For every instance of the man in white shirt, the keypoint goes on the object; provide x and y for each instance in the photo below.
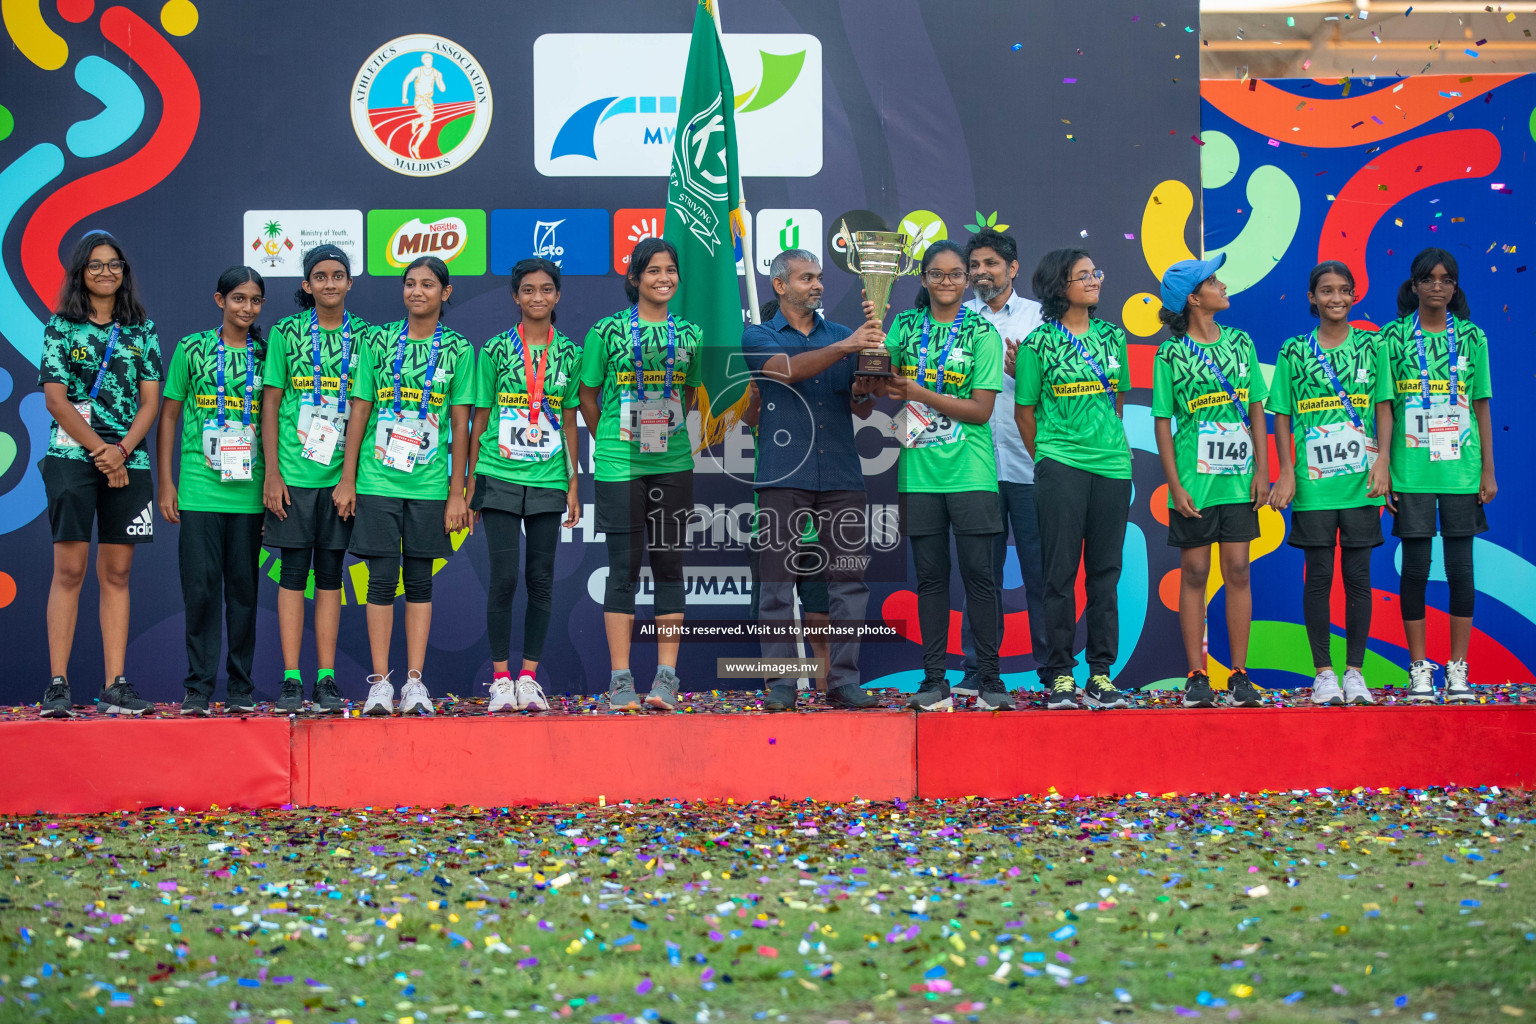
(993, 260)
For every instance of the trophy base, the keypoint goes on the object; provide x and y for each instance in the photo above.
(873, 364)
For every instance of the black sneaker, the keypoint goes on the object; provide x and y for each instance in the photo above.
(327, 699)
(291, 700)
(992, 695)
(195, 705)
(934, 696)
(1063, 695)
(780, 697)
(855, 698)
(56, 700)
(1241, 693)
(968, 686)
(1102, 693)
(1198, 692)
(122, 699)
(239, 702)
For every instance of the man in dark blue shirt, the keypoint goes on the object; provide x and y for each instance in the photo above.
(808, 471)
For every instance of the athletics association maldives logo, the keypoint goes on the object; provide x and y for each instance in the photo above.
(421, 105)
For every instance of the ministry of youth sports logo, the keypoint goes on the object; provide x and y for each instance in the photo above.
(421, 105)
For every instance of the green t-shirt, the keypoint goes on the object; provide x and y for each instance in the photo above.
(501, 385)
(453, 383)
(608, 362)
(1398, 382)
(192, 380)
(1075, 423)
(975, 363)
(1301, 390)
(291, 366)
(72, 354)
(1187, 392)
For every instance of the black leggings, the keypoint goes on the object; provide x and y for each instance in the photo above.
(930, 553)
(503, 531)
(294, 574)
(624, 552)
(1356, 569)
(384, 573)
(1458, 573)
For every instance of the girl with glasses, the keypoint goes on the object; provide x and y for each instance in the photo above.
(100, 373)
(1432, 390)
(948, 368)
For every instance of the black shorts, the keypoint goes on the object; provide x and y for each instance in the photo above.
(1461, 515)
(964, 512)
(624, 506)
(78, 493)
(1358, 527)
(385, 527)
(518, 499)
(312, 523)
(1233, 523)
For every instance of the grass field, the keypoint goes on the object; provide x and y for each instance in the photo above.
(1275, 907)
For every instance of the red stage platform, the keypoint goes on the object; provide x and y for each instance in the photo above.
(105, 765)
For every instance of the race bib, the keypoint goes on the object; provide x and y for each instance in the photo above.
(1338, 449)
(321, 430)
(920, 426)
(520, 441)
(1225, 449)
(61, 436)
(650, 422)
(1438, 428)
(406, 443)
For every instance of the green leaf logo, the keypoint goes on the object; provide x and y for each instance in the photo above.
(987, 223)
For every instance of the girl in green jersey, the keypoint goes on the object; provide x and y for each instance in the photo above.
(1072, 375)
(1432, 391)
(404, 472)
(1206, 379)
(1325, 438)
(948, 367)
(214, 391)
(522, 464)
(312, 362)
(644, 460)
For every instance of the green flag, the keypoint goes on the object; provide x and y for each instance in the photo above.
(704, 220)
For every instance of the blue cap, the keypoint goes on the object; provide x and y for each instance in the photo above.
(1184, 277)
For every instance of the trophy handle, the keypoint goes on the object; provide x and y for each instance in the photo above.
(908, 264)
(853, 252)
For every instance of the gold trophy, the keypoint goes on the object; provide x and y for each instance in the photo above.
(879, 258)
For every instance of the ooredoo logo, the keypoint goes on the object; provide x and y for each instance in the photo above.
(396, 237)
(421, 105)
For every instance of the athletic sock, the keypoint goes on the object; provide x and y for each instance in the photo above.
(503, 675)
(292, 675)
(324, 674)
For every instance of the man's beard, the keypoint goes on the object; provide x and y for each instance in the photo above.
(987, 292)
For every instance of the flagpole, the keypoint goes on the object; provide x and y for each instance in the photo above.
(748, 260)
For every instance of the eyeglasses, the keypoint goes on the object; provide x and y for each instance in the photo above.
(97, 266)
(1086, 276)
(939, 276)
(1438, 282)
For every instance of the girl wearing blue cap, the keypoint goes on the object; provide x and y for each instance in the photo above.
(1206, 380)
(1441, 456)
(1324, 380)
(312, 363)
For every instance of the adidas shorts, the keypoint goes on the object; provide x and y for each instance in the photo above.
(78, 493)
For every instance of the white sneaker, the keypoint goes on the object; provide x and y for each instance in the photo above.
(503, 695)
(1457, 689)
(530, 695)
(1421, 682)
(414, 696)
(1355, 690)
(1325, 689)
(381, 696)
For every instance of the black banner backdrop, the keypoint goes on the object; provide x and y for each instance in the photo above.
(1057, 120)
